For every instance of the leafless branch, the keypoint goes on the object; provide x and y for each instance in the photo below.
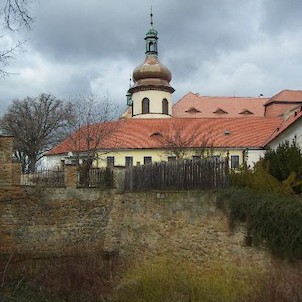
(16, 15)
(178, 141)
(90, 126)
(7, 55)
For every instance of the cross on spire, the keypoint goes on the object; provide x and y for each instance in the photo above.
(151, 17)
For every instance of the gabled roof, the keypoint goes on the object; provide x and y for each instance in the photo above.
(208, 105)
(249, 132)
(284, 125)
(286, 96)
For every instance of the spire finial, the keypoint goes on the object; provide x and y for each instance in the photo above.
(130, 81)
(151, 17)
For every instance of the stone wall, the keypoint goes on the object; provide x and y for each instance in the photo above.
(9, 172)
(135, 225)
(45, 222)
(186, 225)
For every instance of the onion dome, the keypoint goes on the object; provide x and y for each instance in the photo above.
(151, 74)
(152, 69)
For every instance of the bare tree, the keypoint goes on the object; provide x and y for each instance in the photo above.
(14, 15)
(205, 147)
(36, 123)
(179, 142)
(89, 127)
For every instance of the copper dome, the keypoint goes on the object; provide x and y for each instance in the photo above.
(152, 71)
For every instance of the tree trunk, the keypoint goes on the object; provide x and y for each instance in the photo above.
(32, 163)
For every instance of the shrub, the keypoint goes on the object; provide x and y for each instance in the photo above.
(272, 220)
(261, 180)
(283, 161)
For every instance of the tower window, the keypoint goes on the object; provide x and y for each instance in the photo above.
(145, 105)
(165, 106)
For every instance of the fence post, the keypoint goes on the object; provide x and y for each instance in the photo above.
(120, 173)
(71, 176)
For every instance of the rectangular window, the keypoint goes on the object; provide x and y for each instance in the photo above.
(171, 158)
(110, 161)
(129, 161)
(147, 160)
(196, 158)
(234, 161)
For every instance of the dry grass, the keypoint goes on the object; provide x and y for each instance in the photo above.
(168, 280)
(84, 277)
(87, 277)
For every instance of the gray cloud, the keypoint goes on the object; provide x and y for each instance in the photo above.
(214, 47)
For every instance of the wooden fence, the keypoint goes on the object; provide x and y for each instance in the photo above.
(179, 175)
(47, 178)
(96, 178)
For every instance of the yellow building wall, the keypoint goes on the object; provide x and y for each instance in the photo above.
(157, 155)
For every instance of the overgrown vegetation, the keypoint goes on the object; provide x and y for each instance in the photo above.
(284, 162)
(280, 171)
(169, 280)
(271, 220)
(81, 277)
(258, 178)
(225, 280)
(85, 278)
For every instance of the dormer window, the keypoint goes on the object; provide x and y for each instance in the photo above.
(156, 134)
(246, 112)
(220, 111)
(193, 110)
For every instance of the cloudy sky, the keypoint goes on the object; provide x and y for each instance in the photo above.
(213, 47)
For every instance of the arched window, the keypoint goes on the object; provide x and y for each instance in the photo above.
(165, 106)
(145, 105)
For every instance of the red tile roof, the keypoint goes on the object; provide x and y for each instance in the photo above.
(290, 96)
(284, 125)
(208, 105)
(248, 132)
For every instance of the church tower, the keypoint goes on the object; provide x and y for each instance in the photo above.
(151, 94)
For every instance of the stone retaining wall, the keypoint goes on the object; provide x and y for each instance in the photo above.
(135, 225)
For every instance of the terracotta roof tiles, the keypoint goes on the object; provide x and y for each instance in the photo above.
(249, 132)
(284, 125)
(291, 96)
(208, 105)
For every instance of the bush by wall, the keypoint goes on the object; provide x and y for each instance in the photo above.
(286, 160)
(260, 179)
(271, 220)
